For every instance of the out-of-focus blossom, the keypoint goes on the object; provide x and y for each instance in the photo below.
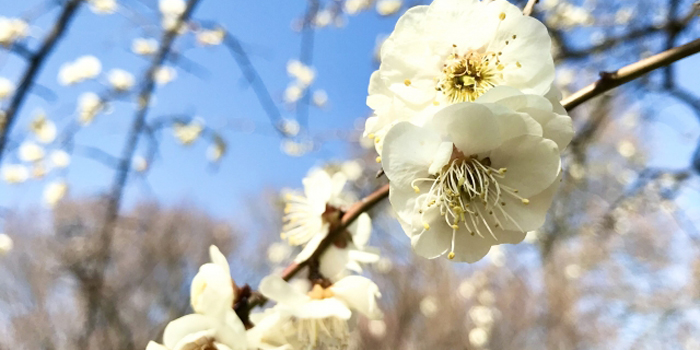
(352, 169)
(60, 159)
(30, 152)
(388, 7)
(482, 316)
(624, 15)
(428, 306)
(572, 271)
(120, 79)
(103, 7)
(323, 18)
(83, 68)
(290, 127)
(89, 105)
(15, 173)
(564, 15)
(353, 7)
(293, 93)
(294, 148)
(384, 265)
(466, 289)
(626, 148)
(211, 37)
(277, 252)
(172, 7)
(377, 328)
(320, 98)
(139, 164)
(304, 74)
(7, 87)
(216, 150)
(44, 129)
(478, 337)
(164, 75)
(188, 133)
(39, 169)
(486, 297)
(11, 30)
(54, 192)
(318, 318)
(144, 46)
(6, 244)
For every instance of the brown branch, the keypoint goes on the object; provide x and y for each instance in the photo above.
(529, 7)
(8, 117)
(610, 80)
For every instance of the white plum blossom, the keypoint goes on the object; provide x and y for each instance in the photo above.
(454, 51)
(216, 150)
(44, 129)
(139, 164)
(89, 104)
(304, 74)
(83, 68)
(188, 133)
(31, 152)
(103, 7)
(54, 192)
(120, 79)
(7, 87)
(143, 46)
(476, 174)
(353, 7)
(60, 159)
(171, 10)
(320, 98)
(164, 75)
(6, 244)
(211, 37)
(14, 173)
(308, 216)
(319, 318)
(388, 7)
(214, 325)
(12, 30)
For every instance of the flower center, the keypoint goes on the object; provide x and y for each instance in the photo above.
(468, 194)
(203, 343)
(466, 77)
(329, 333)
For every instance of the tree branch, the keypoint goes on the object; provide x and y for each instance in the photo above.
(8, 117)
(610, 80)
(529, 7)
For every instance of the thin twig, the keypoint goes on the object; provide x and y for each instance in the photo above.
(610, 80)
(529, 7)
(8, 117)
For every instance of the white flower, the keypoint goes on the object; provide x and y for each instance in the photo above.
(454, 51)
(15, 173)
(293, 93)
(388, 7)
(216, 150)
(44, 129)
(139, 163)
(54, 192)
(304, 74)
(164, 75)
(83, 68)
(6, 244)
(11, 30)
(277, 252)
(478, 337)
(60, 159)
(211, 37)
(476, 174)
(323, 18)
(89, 104)
(172, 7)
(355, 6)
(30, 152)
(290, 127)
(318, 319)
(352, 169)
(188, 133)
(7, 87)
(320, 98)
(103, 7)
(295, 149)
(428, 306)
(308, 215)
(143, 46)
(120, 79)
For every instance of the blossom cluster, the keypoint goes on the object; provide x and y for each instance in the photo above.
(468, 125)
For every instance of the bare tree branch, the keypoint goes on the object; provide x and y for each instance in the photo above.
(529, 7)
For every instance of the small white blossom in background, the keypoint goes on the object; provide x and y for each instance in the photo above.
(428, 306)
(278, 252)
(294, 148)
(377, 328)
(384, 265)
(290, 127)
(144, 46)
(6, 244)
(139, 164)
(30, 152)
(388, 7)
(293, 93)
(43, 128)
(103, 7)
(120, 79)
(320, 98)
(564, 15)
(83, 68)
(211, 37)
(188, 133)
(319, 317)
(455, 51)
(39, 169)
(54, 192)
(478, 337)
(323, 18)
(624, 15)
(353, 7)
(164, 75)
(482, 316)
(15, 173)
(476, 174)
(7, 87)
(12, 30)
(626, 148)
(89, 105)
(352, 169)
(171, 10)
(214, 325)
(466, 289)
(486, 297)
(216, 150)
(60, 159)
(304, 74)
(573, 271)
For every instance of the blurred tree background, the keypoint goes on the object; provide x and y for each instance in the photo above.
(100, 254)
